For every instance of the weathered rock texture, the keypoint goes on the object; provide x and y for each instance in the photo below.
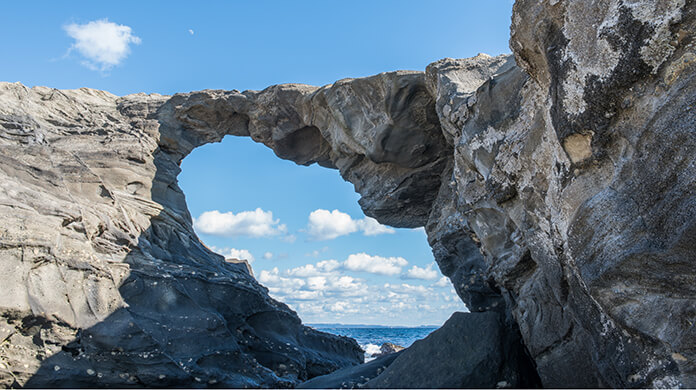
(556, 186)
(468, 351)
(351, 377)
(104, 281)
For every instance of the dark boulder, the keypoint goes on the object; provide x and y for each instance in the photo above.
(467, 351)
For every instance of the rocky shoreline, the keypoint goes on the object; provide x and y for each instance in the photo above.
(556, 186)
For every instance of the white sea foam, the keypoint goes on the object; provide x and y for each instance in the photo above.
(370, 351)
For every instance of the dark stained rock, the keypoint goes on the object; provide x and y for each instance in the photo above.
(243, 263)
(351, 377)
(388, 348)
(468, 351)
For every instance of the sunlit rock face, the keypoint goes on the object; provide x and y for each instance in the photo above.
(105, 282)
(556, 186)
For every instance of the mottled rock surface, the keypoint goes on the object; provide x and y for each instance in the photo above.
(387, 348)
(104, 281)
(556, 186)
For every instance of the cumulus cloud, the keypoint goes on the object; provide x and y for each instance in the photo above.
(257, 223)
(427, 273)
(103, 44)
(442, 282)
(311, 281)
(241, 254)
(268, 255)
(327, 225)
(370, 227)
(190, 31)
(375, 264)
(321, 292)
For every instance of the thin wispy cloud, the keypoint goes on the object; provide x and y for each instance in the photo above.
(375, 264)
(256, 223)
(327, 225)
(101, 43)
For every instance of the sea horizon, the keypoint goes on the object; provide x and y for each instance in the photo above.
(341, 325)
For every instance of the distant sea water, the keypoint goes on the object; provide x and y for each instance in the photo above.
(371, 338)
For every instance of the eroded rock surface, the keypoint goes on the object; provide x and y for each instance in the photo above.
(104, 281)
(556, 186)
(468, 351)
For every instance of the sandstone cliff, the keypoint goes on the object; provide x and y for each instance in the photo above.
(556, 187)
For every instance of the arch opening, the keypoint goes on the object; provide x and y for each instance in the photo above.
(308, 241)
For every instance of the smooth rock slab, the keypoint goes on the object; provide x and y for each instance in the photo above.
(351, 377)
(467, 351)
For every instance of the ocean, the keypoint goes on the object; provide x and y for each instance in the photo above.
(371, 338)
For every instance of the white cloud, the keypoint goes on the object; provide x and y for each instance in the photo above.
(241, 254)
(443, 282)
(327, 225)
(103, 44)
(319, 292)
(375, 264)
(370, 227)
(409, 288)
(190, 31)
(317, 253)
(268, 255)
(328, 265)
(308, 270)
(427, 273)
(257, 223)
(290, 238)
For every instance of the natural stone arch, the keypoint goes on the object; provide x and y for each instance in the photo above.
(86, 173)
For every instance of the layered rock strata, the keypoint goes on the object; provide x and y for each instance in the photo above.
(556, 187)
(105, 282)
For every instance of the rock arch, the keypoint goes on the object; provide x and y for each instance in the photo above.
(571, 174)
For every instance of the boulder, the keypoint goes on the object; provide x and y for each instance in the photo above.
(388, 348)
(466, 352)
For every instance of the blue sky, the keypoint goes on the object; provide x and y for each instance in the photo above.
(330, 266)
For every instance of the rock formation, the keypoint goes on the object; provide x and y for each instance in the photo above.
(387, 348)
(556, 187)
(466, 352)
(351, 377)
(105, 283)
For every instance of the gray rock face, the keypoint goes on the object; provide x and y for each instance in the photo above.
(351, 377)
(466, 352)
(556, 187)
(387, 348)
(105, 283)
